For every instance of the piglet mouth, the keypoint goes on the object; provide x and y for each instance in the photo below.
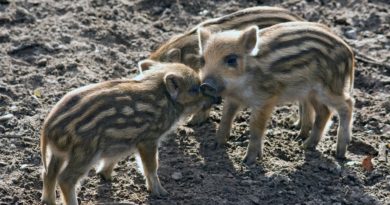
(212, 88)
(211, 100)
(208, 90)
(211, 94)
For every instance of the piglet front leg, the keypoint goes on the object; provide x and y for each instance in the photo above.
(148, 152)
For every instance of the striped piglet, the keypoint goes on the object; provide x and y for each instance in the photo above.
(108, 121)
(295, 61)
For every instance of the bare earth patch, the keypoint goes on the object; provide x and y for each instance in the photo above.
(48, 48)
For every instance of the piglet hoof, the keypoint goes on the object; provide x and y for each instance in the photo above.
(307, 145)
(340, 155)
(48, 198)
(249, 160)
(105, 176)
(301, 136)
(48, 202)
(160, 192)
(296, 124)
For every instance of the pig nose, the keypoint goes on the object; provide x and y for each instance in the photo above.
(208, 89)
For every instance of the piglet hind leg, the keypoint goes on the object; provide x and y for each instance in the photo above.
(258, 125)
(306, 119)
(106, 168)
(80, 161)
(148, 152)
(50, 179)
(344, 131)
(322, 117)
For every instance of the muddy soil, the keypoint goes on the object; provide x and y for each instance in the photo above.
(48, 48)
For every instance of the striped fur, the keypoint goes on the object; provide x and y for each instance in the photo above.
(184, 47)
(109, 120)
(286, 62)
(187, 43)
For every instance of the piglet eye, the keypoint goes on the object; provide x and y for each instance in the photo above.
(231, 60)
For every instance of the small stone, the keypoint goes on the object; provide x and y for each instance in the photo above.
(42, 62)
(159, 25)
(254, 199)
(177, 175)
(246, 182)
(13, 108)
(23, 166)
(352, 163)
(6, 117)
(351, 34)
(204, 12)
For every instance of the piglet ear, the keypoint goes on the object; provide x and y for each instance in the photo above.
(194, 61)
(174, 55)
(203, 36)
(173, 83)
(146, 65)
(250, 40)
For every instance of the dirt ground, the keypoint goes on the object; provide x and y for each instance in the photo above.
(48, 48)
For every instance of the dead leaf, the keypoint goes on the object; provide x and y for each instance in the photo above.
(367, 164)
(38, 93)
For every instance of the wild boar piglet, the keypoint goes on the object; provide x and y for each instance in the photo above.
(295, 61)
(110, 120)
(183, 48)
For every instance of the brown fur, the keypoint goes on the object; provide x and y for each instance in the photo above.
(107, 121)
(286, 62)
